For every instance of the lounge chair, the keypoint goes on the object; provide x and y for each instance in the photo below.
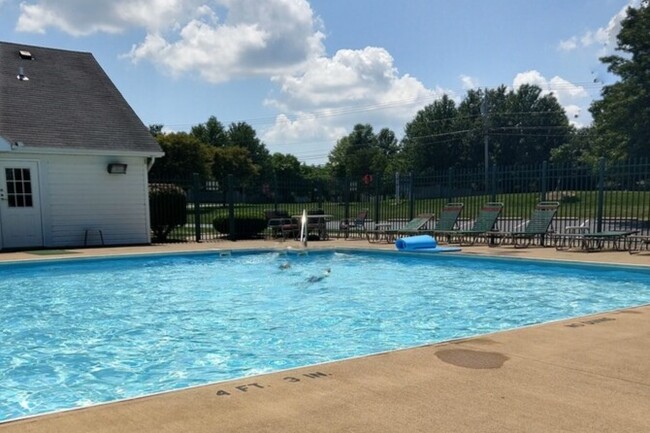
(448, 220)
(413, 227)
(580, 237)
(483, 224)
(639, 244)
(538, 225)
(596, 241)
(357, 225)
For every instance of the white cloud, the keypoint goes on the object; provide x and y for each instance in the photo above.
(308, 136)
(573, 98)
(216, 40)
(562, 89)
(605, 37)
(468, 82)
(157, 15)
(329, 96)
(319, 98)
(83, 17)
(269, 38)
(76, 17)
(569, 44)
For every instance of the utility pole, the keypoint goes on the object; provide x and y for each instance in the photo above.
(485, 113)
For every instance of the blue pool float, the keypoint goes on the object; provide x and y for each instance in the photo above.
(421, 243)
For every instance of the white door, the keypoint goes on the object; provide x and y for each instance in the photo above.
(20, 210)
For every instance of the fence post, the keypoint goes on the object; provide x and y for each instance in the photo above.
(196, 186)
(275, 192)
(450, 185)
(231, 208)
(320, 195)
(493, 184)
(377, 198)
(411, 198)
(346, 199)
(601, 195)
(542, 191)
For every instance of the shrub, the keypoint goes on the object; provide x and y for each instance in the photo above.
(245, 227)
(167, 209)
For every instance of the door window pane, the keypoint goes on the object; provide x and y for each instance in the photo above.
(19, 187)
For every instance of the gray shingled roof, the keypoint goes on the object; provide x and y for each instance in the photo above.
(68, 103)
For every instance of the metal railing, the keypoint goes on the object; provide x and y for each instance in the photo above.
(605, 197)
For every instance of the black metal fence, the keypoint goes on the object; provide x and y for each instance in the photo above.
(605, 197)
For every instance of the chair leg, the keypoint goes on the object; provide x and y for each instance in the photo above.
(522, 242)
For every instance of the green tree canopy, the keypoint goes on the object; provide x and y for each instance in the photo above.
(156, 129)
(522, 127)
(431, 141)
(234, 160)
(577, 150)
(243, 135)
(211, 132)
(184, 155)
(526, 126)
(362, 152)
(622, 117)
(285, 166)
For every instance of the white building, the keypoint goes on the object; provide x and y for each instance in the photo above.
(74, 156)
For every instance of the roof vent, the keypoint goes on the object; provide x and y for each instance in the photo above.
(26, 55)
(21, 75)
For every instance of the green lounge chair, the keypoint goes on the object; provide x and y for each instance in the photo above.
(448, 218)
(596, 241)
(413, 227)
(483, 224)
(538, 225)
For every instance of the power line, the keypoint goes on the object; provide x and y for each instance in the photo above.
(358, 109)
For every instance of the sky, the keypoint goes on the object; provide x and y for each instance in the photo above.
(302, 73)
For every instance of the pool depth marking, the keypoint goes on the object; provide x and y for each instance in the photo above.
(253, 386)
(590, 322)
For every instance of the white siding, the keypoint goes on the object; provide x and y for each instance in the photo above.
(77, 193)
(82, 194)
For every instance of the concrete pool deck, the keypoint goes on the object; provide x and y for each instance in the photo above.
(590, 374)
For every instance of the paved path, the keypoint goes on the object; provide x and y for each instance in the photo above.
(590, 374)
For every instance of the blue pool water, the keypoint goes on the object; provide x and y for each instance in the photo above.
(79, 332)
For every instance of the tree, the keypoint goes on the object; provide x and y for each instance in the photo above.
(389, 159)
(430, 141)
(211, 132)
(622, 117)
(156, 129)
(235, 161)
(471, 120)
(243, 135)
(287, 175)
(577, 150)
(522, 127)
(362, 152)
(528, 127)
(252, 164)
(184, 155)
(286, 168)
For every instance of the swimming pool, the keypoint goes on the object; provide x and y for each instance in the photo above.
(80, 332)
